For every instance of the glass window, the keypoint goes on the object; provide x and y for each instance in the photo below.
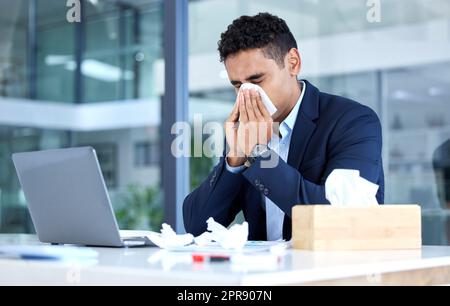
(55, 57)
(13, 49)
(146, 154)
(120, 51)
(418, 134)
(120, 41)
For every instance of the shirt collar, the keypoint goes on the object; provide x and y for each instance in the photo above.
(289, 123)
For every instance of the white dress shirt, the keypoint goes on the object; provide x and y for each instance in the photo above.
(274, 215)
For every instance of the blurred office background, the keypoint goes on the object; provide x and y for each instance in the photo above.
(399, 66)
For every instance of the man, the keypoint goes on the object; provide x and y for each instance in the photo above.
(317, 134)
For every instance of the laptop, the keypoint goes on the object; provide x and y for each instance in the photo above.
(68, 199)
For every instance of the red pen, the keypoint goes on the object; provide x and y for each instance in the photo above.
(202, 258)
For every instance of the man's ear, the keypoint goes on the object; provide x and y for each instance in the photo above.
(294, 62)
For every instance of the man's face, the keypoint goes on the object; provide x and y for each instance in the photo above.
(252, 66)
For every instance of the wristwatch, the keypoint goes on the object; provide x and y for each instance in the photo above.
(257, 152)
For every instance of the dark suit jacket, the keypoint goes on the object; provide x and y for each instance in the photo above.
(331, 133)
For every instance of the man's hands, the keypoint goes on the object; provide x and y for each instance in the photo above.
(249, 124)
(256, 124)
(235, 156)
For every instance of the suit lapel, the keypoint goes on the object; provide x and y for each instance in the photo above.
(300, 139)
(305, 125)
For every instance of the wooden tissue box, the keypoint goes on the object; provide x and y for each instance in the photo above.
(328, 228)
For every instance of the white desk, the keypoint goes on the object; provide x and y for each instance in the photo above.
(155, 267)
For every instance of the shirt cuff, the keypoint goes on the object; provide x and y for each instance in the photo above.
(235, 170)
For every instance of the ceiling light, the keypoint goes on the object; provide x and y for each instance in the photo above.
(401, 95)
(435, 92)
(104, 72)
(91, 68)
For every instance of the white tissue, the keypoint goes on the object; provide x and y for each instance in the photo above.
(169, 239)
(346, 188)
(204, 240)
(234, 238)
(264, 97)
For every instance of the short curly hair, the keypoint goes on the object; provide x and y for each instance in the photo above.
(263, 31)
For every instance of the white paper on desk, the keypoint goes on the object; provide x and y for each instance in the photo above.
(47, 252)
(249, 248)
(346, 188)
(264, 97)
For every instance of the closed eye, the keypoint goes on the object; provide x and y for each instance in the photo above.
(252, 80)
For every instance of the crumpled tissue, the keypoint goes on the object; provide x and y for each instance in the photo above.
(264, 97)
(346, 188)
(169, 239)
(234, 238)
